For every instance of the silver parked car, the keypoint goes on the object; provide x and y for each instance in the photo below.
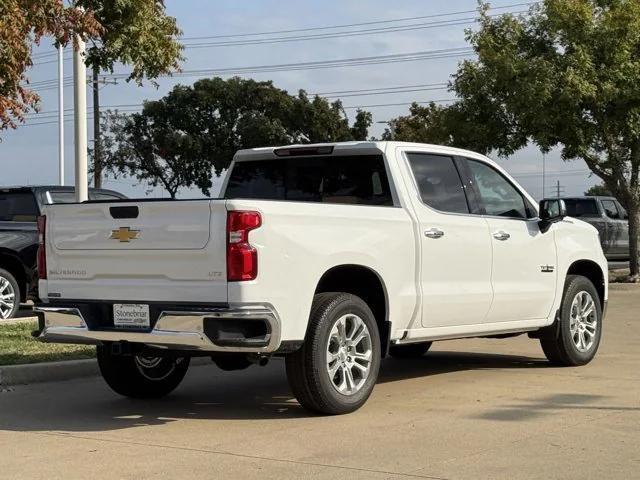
(609, 217)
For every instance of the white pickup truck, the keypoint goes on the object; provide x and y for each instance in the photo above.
(331, 256)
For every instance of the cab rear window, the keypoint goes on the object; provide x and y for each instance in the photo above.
(18, 207)
(355, 180)
(581, 207)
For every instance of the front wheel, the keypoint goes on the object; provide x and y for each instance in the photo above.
(337, 367)
(574, 339)
(141, 376)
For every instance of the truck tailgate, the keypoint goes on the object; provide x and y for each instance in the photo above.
(173, 251)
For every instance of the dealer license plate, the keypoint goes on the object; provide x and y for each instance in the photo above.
(131, 315)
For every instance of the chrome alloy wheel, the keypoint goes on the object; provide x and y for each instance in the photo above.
(349, 353)
(583, 322)
(7, 298)
(156, 368)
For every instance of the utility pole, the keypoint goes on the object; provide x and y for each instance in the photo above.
(559, 189)
(97, 134)
(60, 114)
(97, 153)
(80, 120)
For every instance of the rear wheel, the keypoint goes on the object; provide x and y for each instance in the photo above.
(412, 350)
(141, 376)
(574, 339)
(9, 295)
(337, 367)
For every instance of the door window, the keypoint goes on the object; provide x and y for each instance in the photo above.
(610, 209)
(439, 182)
(498, 196)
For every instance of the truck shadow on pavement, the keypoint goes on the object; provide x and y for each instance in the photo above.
(556, 403)
(260, 393)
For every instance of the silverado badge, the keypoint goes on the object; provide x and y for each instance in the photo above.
(124, 234)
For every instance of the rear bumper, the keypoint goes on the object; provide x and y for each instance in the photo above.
(243, 328)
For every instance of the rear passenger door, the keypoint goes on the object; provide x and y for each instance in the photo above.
(524, 267)
(455, 245)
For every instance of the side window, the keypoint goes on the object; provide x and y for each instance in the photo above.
(439, 182)
(610, 209)
(497, 195)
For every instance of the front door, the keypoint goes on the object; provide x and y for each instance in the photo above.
(524, 272)
(455, 245)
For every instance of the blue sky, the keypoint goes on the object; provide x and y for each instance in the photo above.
(29, 154)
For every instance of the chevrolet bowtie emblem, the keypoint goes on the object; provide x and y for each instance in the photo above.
(124, 234)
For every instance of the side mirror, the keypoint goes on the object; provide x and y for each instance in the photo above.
(551, 211)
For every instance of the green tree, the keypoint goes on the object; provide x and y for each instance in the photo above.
(194, 131)
(137, 33)
(598, 191)
(566, 74)
(23, 22)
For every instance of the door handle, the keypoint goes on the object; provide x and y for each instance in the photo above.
(501, 235)
(434, 233)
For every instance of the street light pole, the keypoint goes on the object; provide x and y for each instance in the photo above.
(544, 174)
(61, 114)
(80, 120)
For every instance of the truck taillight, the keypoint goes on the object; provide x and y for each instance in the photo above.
(242, 258)
(42, 252)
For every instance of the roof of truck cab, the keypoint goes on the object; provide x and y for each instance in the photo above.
(360, 146)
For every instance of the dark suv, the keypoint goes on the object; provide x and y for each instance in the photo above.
(609, 217)
(19, 210)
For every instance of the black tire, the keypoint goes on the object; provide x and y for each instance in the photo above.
(412, 350)
(557, 340)
(8, 277)
(307, 367)
(124, 373)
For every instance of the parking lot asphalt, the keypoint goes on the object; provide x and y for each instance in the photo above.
(470, 409)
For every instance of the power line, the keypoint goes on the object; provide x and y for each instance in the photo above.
(332, 35)
(345, 62)
(348, 107)
(557, 173)
(327, 35)
(380, 105)
(361, 24)
(339, 92)
(423, 55)
(333, 94)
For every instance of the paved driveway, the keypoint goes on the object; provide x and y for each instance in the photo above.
(468, 410)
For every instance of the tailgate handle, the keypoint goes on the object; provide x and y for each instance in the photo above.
(124, 212)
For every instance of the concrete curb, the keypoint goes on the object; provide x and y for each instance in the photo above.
(47, 372)
(60, 371)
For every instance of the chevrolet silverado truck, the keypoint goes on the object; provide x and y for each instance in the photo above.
(331, 256)
(19, 209)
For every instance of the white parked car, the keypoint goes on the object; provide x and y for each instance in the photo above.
(331, 256)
